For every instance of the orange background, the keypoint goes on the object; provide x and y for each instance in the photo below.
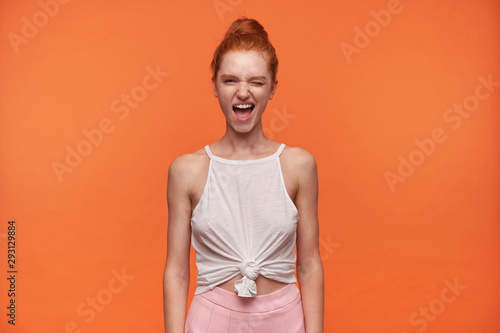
(388, 250)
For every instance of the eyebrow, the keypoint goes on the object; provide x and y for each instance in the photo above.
(225, 76)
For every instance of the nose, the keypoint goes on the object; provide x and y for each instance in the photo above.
(242, 91)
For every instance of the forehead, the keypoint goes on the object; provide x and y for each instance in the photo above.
(244, 64)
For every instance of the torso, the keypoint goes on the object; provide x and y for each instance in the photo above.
(264, 285)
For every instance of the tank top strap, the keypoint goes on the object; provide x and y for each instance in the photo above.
(280, 149)
(209, 153)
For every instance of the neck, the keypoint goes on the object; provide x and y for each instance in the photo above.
(247, 143)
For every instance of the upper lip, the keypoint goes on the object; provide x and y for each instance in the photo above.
(244, 103)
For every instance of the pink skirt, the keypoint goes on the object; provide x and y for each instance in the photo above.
(221, 311)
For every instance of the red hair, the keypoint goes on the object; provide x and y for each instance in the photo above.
(246, 35)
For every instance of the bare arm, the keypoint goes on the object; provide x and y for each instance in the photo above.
(176, 274)
(309, 266)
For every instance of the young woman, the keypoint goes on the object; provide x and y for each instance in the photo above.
(244, 202)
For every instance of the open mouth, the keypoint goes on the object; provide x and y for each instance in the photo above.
(243, 111)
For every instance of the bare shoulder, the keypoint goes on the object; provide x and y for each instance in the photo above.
(299, 160)
(188, 161)
(185, 168)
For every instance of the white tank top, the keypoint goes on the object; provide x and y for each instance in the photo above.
(244, 223)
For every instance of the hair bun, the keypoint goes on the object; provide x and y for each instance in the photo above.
(246, 34)
(246, 26)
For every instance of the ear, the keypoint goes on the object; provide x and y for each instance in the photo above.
(273, 89)
(214, 87)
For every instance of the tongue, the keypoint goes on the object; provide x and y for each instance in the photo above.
(243, 113)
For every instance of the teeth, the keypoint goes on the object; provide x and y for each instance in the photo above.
(243, 106)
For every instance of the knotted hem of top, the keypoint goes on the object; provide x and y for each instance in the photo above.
(246, 286)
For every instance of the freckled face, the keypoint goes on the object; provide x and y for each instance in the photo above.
(243, 86)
